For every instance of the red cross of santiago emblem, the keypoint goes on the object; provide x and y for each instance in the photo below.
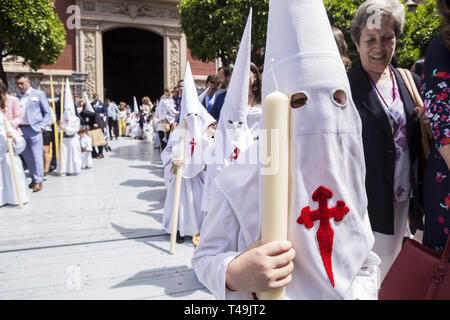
(193, 144)
(234, 155)
(325, 233)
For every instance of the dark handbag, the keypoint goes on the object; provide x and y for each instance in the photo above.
(418, 273)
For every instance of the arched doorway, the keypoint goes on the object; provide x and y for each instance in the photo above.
(133, 65)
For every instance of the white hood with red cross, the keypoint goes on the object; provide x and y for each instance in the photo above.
(328, 223)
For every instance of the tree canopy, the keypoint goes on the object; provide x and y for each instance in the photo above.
(214, 28)
(32, 30)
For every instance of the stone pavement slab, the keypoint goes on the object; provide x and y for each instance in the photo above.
(97, 235)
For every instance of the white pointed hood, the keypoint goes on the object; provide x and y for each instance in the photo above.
(87, 103)
(326, 151)
(192, 112)
(69, 106)
(233, 137)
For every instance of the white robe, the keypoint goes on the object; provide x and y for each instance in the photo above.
(128, 127)
(9, 193)
(253, 122)
(70, 149)
(86, 156)
(237, 209)
(149, 131)
(135, 130)
(3, 149)
(190, 216)
(167, 110)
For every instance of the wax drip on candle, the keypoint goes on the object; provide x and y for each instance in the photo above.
(273, 74)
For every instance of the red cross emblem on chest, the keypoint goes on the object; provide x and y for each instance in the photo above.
(325, 233)
(193, 144)
(234, 155)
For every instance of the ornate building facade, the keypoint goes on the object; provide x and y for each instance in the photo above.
(85, 61)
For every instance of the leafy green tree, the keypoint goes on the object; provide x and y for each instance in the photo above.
(341, 13)
(420, 28)
(32, 30)
(213, 28)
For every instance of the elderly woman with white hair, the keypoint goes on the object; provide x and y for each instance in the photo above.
(391, 130)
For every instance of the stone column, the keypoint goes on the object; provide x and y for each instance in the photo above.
(90, 57)
(174, 58)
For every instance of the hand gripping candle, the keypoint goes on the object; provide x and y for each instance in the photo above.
(275, 175)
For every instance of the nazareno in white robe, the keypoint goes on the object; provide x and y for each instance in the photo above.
(135, 130)
(253, 121)
(9, 193)
(325, 153)
(190, 215)
(149, 132)
(128, 123)
(233, 224)
(71, 149)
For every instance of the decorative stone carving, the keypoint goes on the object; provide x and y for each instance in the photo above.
(133, 9)
(88, 6)
(174, 15)
(173, 32)
(88, 24)
(79, 84)
(152, 12)
(104, 15)
(89, 60)
(174, 64)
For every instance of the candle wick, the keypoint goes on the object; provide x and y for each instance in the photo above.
(273, 74)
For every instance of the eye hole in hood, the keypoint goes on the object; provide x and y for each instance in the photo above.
(299, 100)
(340, 98)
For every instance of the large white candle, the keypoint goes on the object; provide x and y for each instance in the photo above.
(275, 176)
(176, 200)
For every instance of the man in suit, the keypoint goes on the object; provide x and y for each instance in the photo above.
(99, 107)
(179, 96)
(101, 110)
(113, 117)
(35, 116)
(224, 77)
(177, 100)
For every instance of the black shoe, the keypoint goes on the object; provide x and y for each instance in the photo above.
(180, 239)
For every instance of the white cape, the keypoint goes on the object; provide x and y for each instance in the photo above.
(190, 216)
(238, 209)
(71, 149)
(9, 193)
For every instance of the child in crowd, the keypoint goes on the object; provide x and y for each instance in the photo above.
(149, 130)
(86, 148)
